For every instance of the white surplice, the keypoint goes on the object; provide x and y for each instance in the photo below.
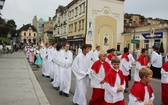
(164, 76)
(90, 53)
(97, 78)
(81, 67)
(125, 66)
(166, 57)
(45, 62)
(51, 67)
(156, 60)
(134, 101)
(66, 58)
(56, 70)
(111, 94)
(95, 55)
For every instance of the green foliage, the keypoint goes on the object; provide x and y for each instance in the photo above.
(5, 40)
(6, 27)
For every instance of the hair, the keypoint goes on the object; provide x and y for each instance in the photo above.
(54, 43)
(58, 47)
(125, 50)
(102, 54)
(145, 72)
(84, 46)
(153, 47)
(143, 50)
(97, 47)
(46, 44)
(115, 60)
(66, 43)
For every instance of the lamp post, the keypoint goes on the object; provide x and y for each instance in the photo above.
(1, 5)
(134, 41)
(15, 37)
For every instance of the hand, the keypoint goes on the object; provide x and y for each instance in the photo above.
(120, 89)
(46, 56)
(147, 66)
(149, 103)
(101, 82)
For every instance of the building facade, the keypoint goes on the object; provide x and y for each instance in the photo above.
(28, 34)
(100, 24)
(105, 22)
(37, 23)
(148, 36)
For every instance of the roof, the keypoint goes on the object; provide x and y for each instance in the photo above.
(26, 27)
(71, 3)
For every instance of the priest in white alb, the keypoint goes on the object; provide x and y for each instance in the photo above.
(45, 61)
(65, 70)
(81, 68)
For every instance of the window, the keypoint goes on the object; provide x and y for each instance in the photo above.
(79, 25)
(146, 44)
(83, 7)
(75, 27)
(157, 43)
(76, 10)
(118, 47)
(58, 30)
(24, 33)
(80, 9)
(34, 35)
(29, 34)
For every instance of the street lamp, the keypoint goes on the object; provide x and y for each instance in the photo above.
(134, 41)
(15, 37)
(2, 3)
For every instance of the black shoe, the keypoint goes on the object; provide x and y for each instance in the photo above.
(48, 76)
(51, 80)
(125, 91)
(43, 75)
(66, 95)
(57, 88)
(76, 104)
(60, 93)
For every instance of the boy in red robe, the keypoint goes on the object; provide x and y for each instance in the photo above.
(114, 85)
(141, 62)
(164, 81)
(110, 55)
(142, 93)
(99, 70)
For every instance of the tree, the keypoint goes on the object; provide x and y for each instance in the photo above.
(7, 27)
(161, 49)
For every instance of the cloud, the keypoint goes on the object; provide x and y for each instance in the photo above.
(23, 11)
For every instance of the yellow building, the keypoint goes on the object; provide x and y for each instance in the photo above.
(105, 23)
(28, 34)
(148, 36)
(76, 23)
(100, 24)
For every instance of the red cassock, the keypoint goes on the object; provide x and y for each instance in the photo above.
(97, 93)
(125, 55)
(111, 79)
(110, 56)
(143, 60)
(138, 91)
(165, 86)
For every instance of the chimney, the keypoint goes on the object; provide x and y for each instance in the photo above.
(49, 18)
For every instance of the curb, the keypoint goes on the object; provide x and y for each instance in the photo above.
(37, 88)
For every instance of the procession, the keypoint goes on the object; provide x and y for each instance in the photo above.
(106, 73)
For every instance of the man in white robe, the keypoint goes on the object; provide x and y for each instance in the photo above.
(56, 60)
(96, 53)
(52, 50)
(81, 68)
(65, 70)
(45, 60)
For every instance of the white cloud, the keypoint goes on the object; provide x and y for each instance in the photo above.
(23, 11)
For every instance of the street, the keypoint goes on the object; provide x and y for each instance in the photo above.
(55, 99)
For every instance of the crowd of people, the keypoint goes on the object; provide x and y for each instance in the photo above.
(107, 73)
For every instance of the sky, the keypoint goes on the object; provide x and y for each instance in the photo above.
(23, 11)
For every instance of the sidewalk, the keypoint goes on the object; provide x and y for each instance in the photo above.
(18, 85)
